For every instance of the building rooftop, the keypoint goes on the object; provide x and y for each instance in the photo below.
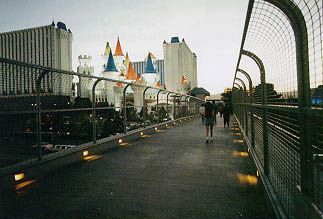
(174, 40)
(199, 90)
(61, 25)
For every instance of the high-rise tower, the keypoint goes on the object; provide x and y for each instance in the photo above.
(179, 61)
(49, 46)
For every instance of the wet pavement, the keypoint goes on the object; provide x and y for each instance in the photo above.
(170, 174)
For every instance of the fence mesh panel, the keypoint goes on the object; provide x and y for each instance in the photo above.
(270, 36)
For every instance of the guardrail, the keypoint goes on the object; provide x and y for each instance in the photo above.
(277, 99)
(39, 111)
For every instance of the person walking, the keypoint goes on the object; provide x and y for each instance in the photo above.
(202, 110)
(215, 111)
(221, 109)
(226, 115)
(209, 120)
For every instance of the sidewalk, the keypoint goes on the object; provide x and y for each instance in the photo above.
(170, 174)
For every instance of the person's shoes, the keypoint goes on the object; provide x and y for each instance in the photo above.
(207, 140)
(212, 138)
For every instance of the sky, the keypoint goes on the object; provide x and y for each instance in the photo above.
(211, 28)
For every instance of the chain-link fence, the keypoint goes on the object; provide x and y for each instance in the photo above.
(277, 99)
(45, 110)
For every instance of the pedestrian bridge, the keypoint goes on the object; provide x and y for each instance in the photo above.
(268, 164)
(169, 173)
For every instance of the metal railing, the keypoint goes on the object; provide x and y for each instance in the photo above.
(39, 113)
(277, 99)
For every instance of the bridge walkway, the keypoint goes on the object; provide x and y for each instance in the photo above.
(170, 174)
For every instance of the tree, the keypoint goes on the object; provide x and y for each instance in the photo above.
(272, 95)
(227, 96)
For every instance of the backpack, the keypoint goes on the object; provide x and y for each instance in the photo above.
(208, 110)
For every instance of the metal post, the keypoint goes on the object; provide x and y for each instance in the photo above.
(94, 111)
(79, 88)
(264, 106)
(181, 107)
(144, 107)
(298, 23)
(38, 115)
(239, 104)
(125, 110)
(157, 105)
(186, 107)
(174, 106)
(167, 105)
(244, 107)
(251, 107)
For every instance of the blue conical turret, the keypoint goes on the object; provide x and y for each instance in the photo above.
(149, 66)
(110, 65)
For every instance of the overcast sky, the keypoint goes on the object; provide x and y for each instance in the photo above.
(211, 28)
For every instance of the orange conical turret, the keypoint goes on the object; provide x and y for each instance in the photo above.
(183, 79)
(139, 78)
(158, 84)
(118, 51)
(119, 84)
(131, 73)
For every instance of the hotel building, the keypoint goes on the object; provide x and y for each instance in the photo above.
(49, 46)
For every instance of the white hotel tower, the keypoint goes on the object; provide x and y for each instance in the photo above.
(49, 46)
(180, 66)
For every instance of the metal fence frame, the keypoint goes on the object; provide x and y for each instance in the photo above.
(46, 70)
(244, 112)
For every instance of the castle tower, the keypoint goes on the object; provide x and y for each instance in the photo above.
(119, 58)
(111, 72)
(84, 84)
(126, 61)
(105, 55)
(138, 91)
(131, 75)
(150, 75)
(118, 94)
(107, 49)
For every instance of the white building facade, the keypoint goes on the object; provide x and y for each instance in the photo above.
(49, 46)
(84, 85)
(180, 66)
